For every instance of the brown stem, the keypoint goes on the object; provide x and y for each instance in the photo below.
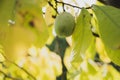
(73, 5)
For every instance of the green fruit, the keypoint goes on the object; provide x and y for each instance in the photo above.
(64, 24)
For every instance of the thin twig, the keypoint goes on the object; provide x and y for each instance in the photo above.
(73, 5)
(24, 70)
(63, 5)
(52, 6)
(20, 68)
(56, 5)
(7, 76)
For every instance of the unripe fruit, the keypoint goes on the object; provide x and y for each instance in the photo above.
(64, 24)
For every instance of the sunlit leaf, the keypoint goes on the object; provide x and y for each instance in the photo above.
(42, 3)
(39, 31)
(84, 76)
(1, 58)
(94, 25)
(6, 15)
(91, 51)
(1, 54)
(24, 36)
(6, 12)
(29, 29)
(109, 73)
(74, 75)
(108, 76)
(51, 35)
(48, 16)
(18, 40)
(109, 30)
(108, 25)
(101, 50)
(45, 65)
(92, 67)
(34, 21)
(115, 75)
(114, 55)
(67, 58)
(82, 37)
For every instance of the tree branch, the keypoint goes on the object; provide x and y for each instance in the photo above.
(63, 4)
(7, 76)
(20, 68)
(73, 5)
(24, 70)
(53, 6)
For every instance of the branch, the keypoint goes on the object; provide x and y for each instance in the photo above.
(53, 6)
(7, 76)
(56, 5)
(24, 70)
(63, 7)
(20, 68)
(63, 4)
(73, 5)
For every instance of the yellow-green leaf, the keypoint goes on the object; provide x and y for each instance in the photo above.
(6, 11)
(29, 29)
(29, 16)
(108, 25)
(81, 37)
(109, 30)
(114, 55)
(6, 14)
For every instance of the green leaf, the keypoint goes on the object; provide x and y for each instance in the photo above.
(91, 51)
(42, 2)
(6, 11)
(115, 74)
(6, 14)
(81, 37)
(30, 29)
(29, 16)
(84, 76)
(91, 67)
(114, 55)
(108, 76)
(108, 25)
(109, 30)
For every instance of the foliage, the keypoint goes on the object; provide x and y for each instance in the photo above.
(30, 49)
